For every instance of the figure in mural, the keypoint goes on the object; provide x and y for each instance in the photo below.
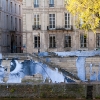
(29, 67)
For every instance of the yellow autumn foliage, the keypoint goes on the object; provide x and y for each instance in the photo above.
(88, 11)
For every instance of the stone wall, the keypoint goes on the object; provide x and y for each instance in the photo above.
(61, 90)
(43, 90)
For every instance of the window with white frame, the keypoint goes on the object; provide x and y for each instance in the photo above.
(36, 41)
(36, 3)
(83, 40)
(36, 22)
(51, 21)
(67, 41)
(51, 3)
(52, 41)
(98, 40)
(67, 21)
(80, 23)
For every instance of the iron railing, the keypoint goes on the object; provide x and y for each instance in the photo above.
(68, 27)
(51, 5)
(36, 27)
(36, 5)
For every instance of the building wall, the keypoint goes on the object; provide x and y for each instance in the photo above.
(43, 10)
(11, 25)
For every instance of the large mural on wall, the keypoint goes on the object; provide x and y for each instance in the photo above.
(18, 70)
(82, 71)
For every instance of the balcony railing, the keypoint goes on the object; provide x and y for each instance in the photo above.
(36, 5)
(69, 27)
(51, 5)
(36, 27)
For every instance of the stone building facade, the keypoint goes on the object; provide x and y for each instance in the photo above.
(10, 26)
(48, 26)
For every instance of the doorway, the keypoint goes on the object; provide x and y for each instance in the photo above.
(89, 92)
(12, 43)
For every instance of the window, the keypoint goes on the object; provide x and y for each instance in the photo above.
(15, 8)
(67, 21)
(11, 22)
(7, 23)
(36, 21)
(11, 6)
(20, 25)
(52, 21)
(36, 3)
(98, 40)
(68, 41)
(16, 40)
(83, 40)
(20, 41)
(52, 41)
(80, 23)
(15, 24)
(51, 4)
(7, 40)
(36, 41)
(19, 10)
(6, 5)
(15, 47)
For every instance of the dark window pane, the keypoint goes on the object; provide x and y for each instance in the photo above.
(49, 15)
(52, 20)
(67, 41)
(50, 26)
(83, 40)
(53, 15)
(53, 26)
(37, 41)
(98, 40)
(35, 38)
(52, 43)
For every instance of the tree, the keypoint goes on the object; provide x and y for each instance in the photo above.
(86, 11)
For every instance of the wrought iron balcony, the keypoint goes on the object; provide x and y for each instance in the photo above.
(51, 5)
(49, 28)
(36, 27)
(36, 5)
(69, 27)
